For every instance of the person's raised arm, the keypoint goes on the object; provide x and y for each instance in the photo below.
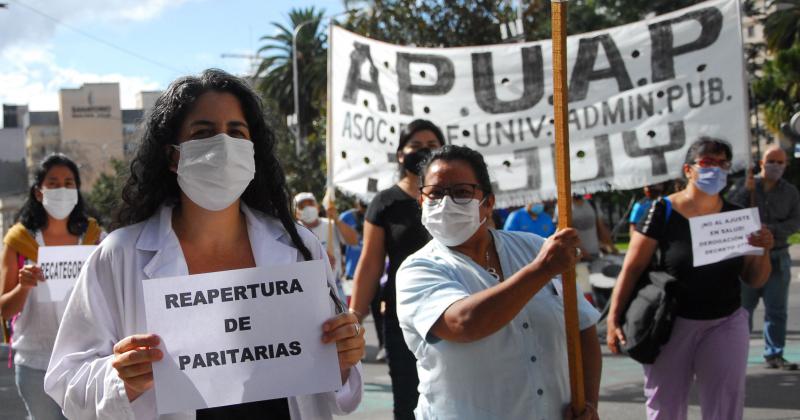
(369, 270)
(484, 313)
(347, 233)
(17, 283)
(637, 259)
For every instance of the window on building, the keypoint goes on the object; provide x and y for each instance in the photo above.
(751, 31)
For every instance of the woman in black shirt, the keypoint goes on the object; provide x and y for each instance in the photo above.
(393, 228)
(709, 340)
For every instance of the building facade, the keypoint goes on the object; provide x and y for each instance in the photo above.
(90, 127)
(90, 121)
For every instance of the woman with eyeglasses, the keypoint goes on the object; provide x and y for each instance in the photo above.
(392, 228)
(206, 194)
(482, 309)
(709, 340)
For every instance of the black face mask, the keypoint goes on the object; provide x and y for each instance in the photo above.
(413, 161)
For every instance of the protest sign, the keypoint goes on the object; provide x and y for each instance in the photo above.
(722, 236)
(239, 336)
(60, 266)
(639, 95)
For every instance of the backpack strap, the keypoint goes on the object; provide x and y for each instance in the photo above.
(661, 250)
(668, 211)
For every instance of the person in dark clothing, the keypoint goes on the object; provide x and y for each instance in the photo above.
(709, 340)
(393, 228)
(778, 204)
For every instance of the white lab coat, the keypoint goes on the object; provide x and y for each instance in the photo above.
(107, 305)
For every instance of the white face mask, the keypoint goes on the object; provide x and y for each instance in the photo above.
(214, 172)
(309, 214)
(450, 223)
(59, 202)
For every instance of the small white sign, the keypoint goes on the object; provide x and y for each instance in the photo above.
(60, 266)
(722, 236)
(239, 336)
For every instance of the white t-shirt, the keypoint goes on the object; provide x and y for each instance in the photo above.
(321, 231)
(36, 326)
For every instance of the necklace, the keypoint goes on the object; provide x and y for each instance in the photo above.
(492, 272)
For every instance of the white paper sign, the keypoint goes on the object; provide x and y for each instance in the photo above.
(60, 266)
(640, 94)
(722, 236)
(240, 336)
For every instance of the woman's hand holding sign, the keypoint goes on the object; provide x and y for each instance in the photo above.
(345, 330)
(133, 359)
(29, 276)
(761, 238)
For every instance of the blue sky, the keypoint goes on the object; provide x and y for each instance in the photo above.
(38, 57)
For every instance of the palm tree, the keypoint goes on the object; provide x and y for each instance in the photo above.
(779, 88)
(782, 26)
(274, 74)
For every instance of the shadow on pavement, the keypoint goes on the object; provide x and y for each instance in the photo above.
(767, 389)
(630, 393)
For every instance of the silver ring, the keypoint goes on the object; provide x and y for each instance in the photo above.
(577, 252)
(358, 329)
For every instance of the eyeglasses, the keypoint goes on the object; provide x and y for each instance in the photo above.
(460, 193)
(711, 162)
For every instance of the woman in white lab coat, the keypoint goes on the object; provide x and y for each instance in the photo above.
(206, 193)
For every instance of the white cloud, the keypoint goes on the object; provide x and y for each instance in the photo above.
(32, 76)
(19, 25)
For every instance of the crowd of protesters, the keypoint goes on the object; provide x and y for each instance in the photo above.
(470, 317)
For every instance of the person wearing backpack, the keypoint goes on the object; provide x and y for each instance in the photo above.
(709, 340)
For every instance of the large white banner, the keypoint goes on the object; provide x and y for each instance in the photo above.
(640, 94)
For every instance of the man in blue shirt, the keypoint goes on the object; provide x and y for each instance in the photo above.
(533, 219)
(651, 194)
(355, 219)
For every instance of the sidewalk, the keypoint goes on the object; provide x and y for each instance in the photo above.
(770, 394)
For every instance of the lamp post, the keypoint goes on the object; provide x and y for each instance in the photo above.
(300, 139)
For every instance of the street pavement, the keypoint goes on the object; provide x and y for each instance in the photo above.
(771, 394)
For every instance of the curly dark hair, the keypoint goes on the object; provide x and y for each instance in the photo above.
(472, 157)
(152, 183)
(33, 216)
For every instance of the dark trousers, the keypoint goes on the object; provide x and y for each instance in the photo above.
(402, 370)
(377, 316)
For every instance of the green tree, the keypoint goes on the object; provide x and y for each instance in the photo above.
(304, 171)
(778, 90)
(452, 23)
(106, 194)
(275, 75)
(782, 25)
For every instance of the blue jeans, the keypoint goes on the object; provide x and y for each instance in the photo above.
(30, 385)
(776, 298)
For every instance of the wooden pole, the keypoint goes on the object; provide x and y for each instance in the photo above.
(330, 193)
(560, 109)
